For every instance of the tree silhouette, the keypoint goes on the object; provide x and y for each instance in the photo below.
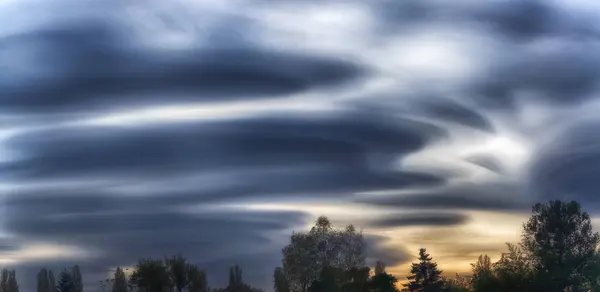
(308, 253)
(381, 280)
(51, 282)
(424, 275)
(356, 279)
(4, 276)
(559, 239)
(177, 270)
(327, 281)
(196, 279)
(151, 276)
(77, 281)
(457, 283)
(280, 283)
(120, 281)
(514, 271)
(65, 282)
(235, 278)
(42, 281)
(483, 276)
(8, 281)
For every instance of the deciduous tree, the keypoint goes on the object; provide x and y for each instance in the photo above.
(561, 244)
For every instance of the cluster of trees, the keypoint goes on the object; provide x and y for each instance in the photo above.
(68, 281)
(173, 274)
(558, 252)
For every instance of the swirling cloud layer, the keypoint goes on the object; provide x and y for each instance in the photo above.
(214, 130)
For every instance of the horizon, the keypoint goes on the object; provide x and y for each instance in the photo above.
(215, 129)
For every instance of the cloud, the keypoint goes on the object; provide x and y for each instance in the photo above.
(488, 162)
(452, 111)
(419, 219)
(490, 196)
(379, 248)
(80, 66)
(121, 235)
(318, 154)
(125, 126)
(568, 165)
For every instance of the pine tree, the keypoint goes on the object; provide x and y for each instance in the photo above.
(65, 282)
(425, 276)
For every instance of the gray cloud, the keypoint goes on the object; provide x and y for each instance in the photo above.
(124, 234)
(452, 111)
(567, 167)
(466, 196)
(69, 69)
(380, 249)
(488, 162)
(330, 154)
(91, 65)
(420, 219)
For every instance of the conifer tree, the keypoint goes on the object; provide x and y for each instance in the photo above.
(65, 282)
(424, 275)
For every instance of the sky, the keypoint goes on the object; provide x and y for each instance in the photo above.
(215, 129)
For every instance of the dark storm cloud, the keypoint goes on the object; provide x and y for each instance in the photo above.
(420, 219)
(567, 167)
(322, 154)
(467, 196)
(84, 65)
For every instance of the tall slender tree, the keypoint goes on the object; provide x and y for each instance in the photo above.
(4, 280)
(77, 280)
(42, 281)
(483, 276)
(236, 282)
(120, 281)
(51, 282)
(13, 286)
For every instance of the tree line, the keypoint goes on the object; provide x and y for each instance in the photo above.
(558, 252)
